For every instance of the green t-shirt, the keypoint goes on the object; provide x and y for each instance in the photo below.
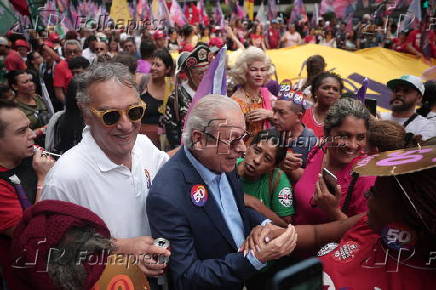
(281, 201)
(37, 114)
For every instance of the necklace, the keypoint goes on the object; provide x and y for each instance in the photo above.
(253, 100)
(315, 109)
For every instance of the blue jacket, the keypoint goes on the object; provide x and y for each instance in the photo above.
(203, 253)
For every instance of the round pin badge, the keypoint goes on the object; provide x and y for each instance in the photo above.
(398, 236)
(346, 252)
(285, 90)
(199, 195)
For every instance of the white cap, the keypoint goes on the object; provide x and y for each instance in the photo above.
(4, 41)
(410, 80)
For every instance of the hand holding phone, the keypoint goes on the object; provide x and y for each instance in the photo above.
(331, 181)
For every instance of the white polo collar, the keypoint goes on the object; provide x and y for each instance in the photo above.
(100, 158)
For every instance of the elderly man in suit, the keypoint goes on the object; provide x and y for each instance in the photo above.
(196, 202)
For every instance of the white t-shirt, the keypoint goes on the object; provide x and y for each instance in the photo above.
(291, 39)
(431, 116)
(86, 176)
(89, 55)
(420, 125)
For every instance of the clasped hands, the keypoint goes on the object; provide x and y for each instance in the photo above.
(270, 242)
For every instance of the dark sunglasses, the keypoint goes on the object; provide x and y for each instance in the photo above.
(7, 46)
(111, 117)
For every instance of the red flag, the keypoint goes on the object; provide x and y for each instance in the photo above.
(192, 14)
(21, 6)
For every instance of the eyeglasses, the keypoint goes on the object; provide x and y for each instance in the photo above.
(232, 142)
(75, 51)
(6, 46)
(99, 49)
(111, 117)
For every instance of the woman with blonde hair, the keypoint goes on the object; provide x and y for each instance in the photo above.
(250, 72)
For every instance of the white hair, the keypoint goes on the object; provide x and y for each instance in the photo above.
(245, 60)
(73, 42)
(207, 109)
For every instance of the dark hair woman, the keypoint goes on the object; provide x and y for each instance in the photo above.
(326, 90)
(346, 127)
(65, 128)
(157, 90)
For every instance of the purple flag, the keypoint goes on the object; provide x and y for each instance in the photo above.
(201, 10)
(412, 17)
(298, 13)
(261, 14)
(143, 10)
(327, 6)
(177, 16)
(315, 15)
(218, 14)
(214, 80)
(343, 7)
(273, 10)
(361, 93)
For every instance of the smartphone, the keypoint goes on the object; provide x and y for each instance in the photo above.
(330, 180)
(371, 105)
(305, 275)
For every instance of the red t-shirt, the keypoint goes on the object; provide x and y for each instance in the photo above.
(399, 46)
(62, 75)
(311, 123)
(361, 261)
(10, 207)
(414, 38)
(310, 39)
(10, 214)
(13, 61)
(273, 38)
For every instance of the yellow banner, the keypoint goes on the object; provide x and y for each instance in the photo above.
(155, 8)
(120, 12)
(379, 65)
(249, 8)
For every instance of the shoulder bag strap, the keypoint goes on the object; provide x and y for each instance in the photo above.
(346, 205)
(410, 120)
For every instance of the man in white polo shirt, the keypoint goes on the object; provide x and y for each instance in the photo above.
(407, 93)
(110, 171)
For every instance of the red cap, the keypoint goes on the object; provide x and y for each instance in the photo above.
(158, 34)
(216, 41)
(53, 37)
(22, 43)
(49, 43)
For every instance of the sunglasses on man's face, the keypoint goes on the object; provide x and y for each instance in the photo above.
(6, 46)
(110, 118)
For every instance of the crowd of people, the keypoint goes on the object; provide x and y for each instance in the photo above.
(101, 150)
